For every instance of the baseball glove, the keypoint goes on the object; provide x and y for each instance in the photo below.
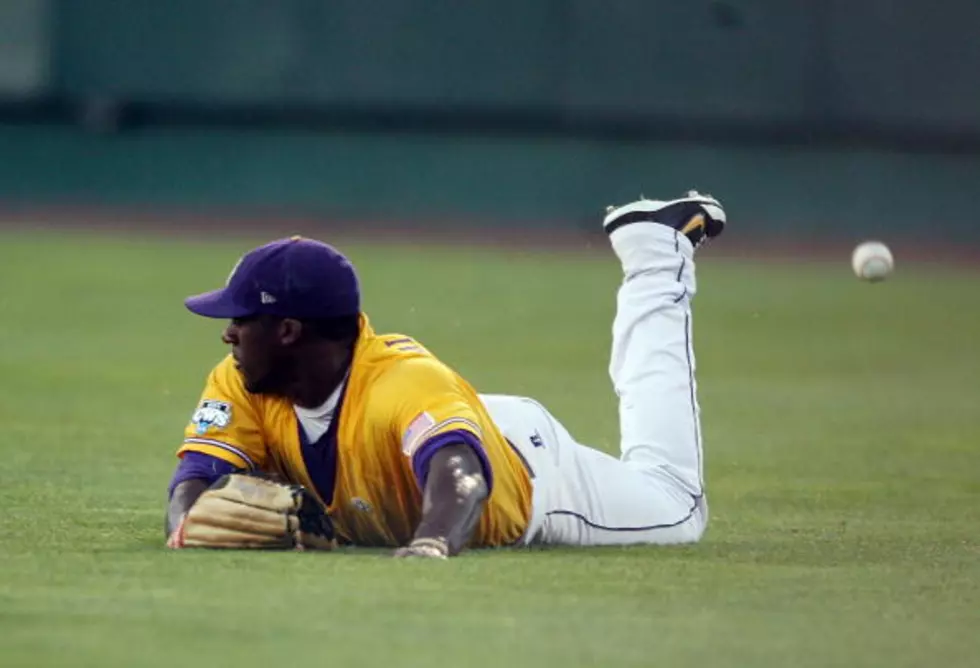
(240, 511)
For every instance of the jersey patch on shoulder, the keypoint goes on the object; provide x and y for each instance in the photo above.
(412, 438)
(211, 413)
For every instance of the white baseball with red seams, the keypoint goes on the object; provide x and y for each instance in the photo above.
(872, 261)
(653, 492)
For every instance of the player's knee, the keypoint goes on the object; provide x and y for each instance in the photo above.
(694, 527)
(700, 525)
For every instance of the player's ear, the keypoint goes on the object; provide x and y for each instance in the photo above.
(290, 331)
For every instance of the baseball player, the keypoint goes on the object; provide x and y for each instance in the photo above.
(316, 430)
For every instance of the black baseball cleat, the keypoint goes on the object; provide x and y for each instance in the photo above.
(696, 216)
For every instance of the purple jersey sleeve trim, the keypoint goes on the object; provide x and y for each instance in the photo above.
(200, 466)
(423, 456)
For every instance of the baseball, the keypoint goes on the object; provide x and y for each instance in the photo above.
(872, 261)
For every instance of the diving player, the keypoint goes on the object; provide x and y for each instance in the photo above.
(404, 453)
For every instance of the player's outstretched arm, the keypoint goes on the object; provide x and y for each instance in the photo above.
(455, 493)
(184, 496)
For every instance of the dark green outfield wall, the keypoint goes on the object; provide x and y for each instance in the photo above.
(788, 193)
(874, 63)
(810, 118)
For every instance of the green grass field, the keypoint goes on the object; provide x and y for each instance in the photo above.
(842, 428)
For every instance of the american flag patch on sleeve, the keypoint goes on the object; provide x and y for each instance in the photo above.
(412, 438)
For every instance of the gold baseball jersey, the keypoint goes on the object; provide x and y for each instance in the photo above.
(398, 407)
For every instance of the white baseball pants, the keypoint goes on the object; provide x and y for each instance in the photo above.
(653, 492)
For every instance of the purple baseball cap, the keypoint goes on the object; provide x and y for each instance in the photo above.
(291, 278)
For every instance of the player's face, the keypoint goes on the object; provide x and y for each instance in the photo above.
(258, 353)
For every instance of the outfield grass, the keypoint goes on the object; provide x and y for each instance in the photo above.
(842, 426)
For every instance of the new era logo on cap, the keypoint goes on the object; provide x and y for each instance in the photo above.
(293, 278)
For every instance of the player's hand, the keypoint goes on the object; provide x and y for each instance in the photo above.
(426, 548)
(176, 539)
(240, 511)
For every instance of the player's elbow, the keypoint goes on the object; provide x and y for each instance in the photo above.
(468, 480)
